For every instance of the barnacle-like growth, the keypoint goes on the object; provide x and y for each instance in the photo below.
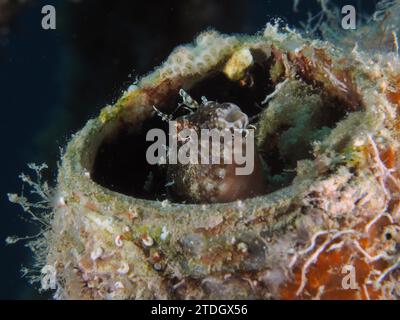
(326, 124)
(212, 177)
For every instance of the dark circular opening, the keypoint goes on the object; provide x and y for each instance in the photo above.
(120, 164)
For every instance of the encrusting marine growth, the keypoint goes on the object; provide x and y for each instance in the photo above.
(324, 198)
(203, 181)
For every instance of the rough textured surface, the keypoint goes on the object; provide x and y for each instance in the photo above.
(337, 206)
(204, 181)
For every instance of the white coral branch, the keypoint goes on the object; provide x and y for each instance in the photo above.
(389, 270)
(314, 257)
